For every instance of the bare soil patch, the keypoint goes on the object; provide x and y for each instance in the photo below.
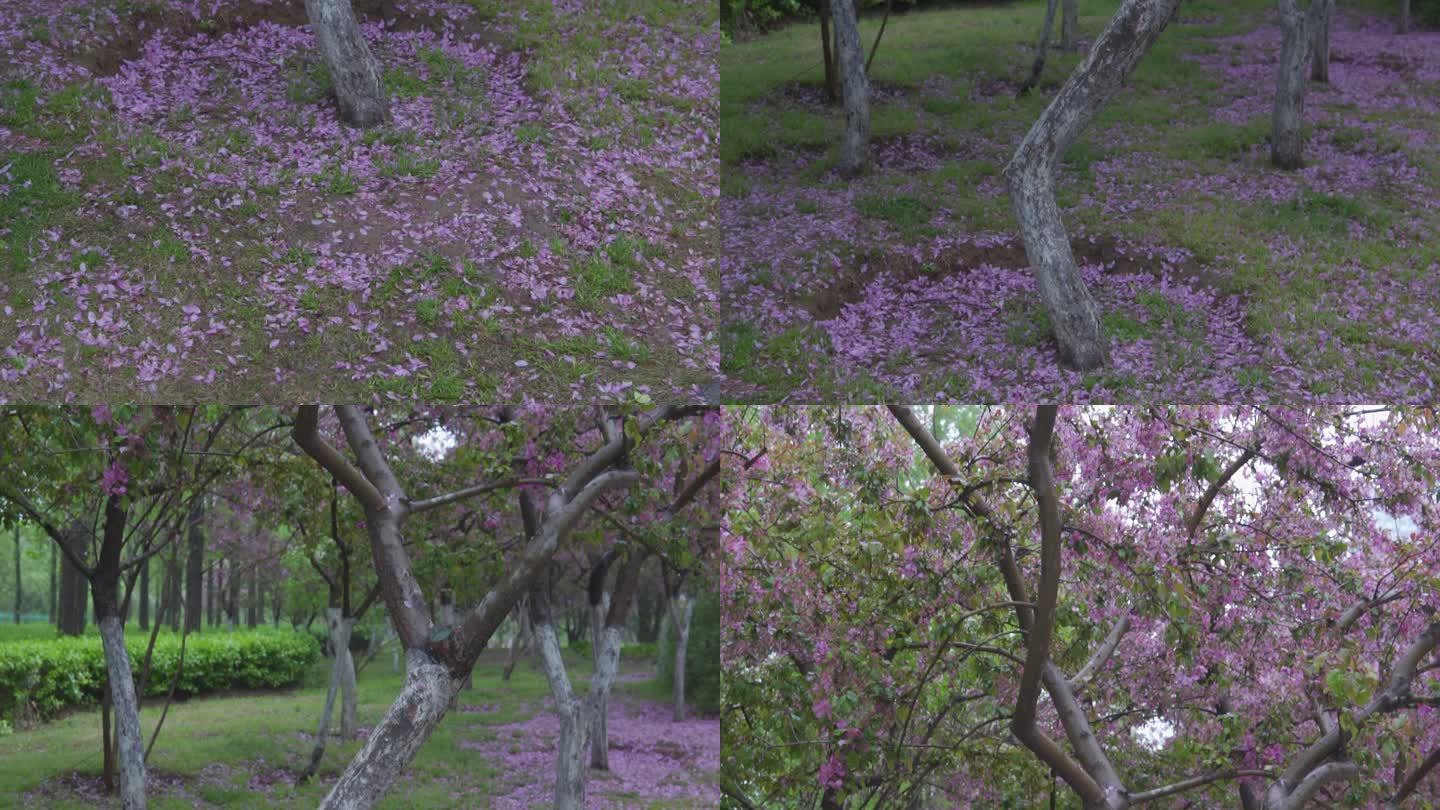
(1116, 256)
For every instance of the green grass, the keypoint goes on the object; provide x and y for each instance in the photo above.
(214, 743)
(34, 200)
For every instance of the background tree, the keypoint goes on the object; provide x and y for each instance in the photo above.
(354, 72)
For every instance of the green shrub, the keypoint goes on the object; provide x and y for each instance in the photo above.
(48, 676)
(702, 655)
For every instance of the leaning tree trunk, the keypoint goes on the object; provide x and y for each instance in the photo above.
(855, 88)
(354, 72)
(392, 745)
(340, 680)
(1031, 174)
(126, 709)
(682, 640)
(1038, 66)
(1298, 31)
(1320, 44)
(1069, 24)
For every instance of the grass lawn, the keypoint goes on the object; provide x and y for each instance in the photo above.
(1218, 275)
(182, 216)
(241, 751)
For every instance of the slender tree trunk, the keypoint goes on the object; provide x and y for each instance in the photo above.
(252, 605)
(832, 85)
(145, 595)
(194, 568)
(392, 745)
(105, 589)
(318, 752)
(1298, 29)
(277, 605)
(232, 596)
(685, 611)
(1320, 46)
(856, 89)
(1069, 25)
(345, 665)
(52, 584)
(1031, 174)
(18, 586)
(1038, 66)
(172, 582)
(1404, 16)
(354, 72)
(521, 642)
(599, 729)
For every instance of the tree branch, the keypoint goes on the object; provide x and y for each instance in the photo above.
(1192, 783)
(1192, 524)
(1413, 781)
(1102, 655)
(307, 434)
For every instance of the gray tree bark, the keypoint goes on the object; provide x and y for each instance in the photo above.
(1031, 175)
(855, 89)
(599, 730)
(104, 587)
(1298, 29)
(682, 616)
(392, 746)
(1404, 16)
(354, 72)
(145, 595)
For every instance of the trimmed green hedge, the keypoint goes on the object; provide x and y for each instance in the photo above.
(48, 676)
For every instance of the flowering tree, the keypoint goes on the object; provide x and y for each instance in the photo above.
(529, 449)
(1234, 605)
(116, 487)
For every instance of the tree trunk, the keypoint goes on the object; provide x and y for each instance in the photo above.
(392, 745)
(252, 605)
(127, 713)
(52, 584)
(832, 86)
(18, 586)
(194, 569)
(354, 72)
(145, 595)
(856, 89)
(1320, 45)
(574, 722)
(1069, 25)
(232, 597)
(1038, 66)
(172, 581)
(599, 729)
(682, 641)
(73, 586)
(1031, 174)
(521, 641)
(1298, 31)
(1404, 16)
(318, 752)
(345, 665)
